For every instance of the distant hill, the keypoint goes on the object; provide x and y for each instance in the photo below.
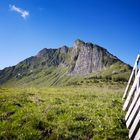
(81, 64)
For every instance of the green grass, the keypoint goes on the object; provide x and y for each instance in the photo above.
(118, 72)
(69, 113)
(59, 76)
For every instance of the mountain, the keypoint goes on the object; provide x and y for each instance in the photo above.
(64, 66)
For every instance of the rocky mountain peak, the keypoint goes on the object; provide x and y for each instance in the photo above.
(88, 58)
(64, 49)
(42, 52)
(79, 43)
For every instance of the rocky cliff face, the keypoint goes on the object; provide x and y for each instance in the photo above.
(83, 58)
(88, 58)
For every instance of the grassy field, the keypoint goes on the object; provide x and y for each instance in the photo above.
(68, 113)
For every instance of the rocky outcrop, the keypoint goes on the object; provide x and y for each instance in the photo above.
(88, 58)
(64, 49)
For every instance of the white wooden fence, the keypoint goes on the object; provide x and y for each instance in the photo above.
(132, 102)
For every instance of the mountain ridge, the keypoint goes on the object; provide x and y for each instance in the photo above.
(82, 59)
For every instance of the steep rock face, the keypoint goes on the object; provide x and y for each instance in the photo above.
(88, 58)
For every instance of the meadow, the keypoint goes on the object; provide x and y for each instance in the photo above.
(62, 113)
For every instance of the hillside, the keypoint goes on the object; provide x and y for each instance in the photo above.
(83, 63)
(71, 94)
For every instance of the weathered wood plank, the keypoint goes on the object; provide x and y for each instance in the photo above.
(135, 126)
(133, 114)
(132, 104)
(129, 97)
(137, 137)
(131, 93)
(128, 85)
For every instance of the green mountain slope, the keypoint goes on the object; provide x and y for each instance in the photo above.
(83, 63)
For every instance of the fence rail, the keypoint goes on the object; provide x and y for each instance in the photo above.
(132, 102)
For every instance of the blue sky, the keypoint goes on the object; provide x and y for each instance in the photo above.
(27, 26)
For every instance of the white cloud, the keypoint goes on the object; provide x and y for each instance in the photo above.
(22, 12)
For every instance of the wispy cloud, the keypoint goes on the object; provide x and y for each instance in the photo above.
(24, 14)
